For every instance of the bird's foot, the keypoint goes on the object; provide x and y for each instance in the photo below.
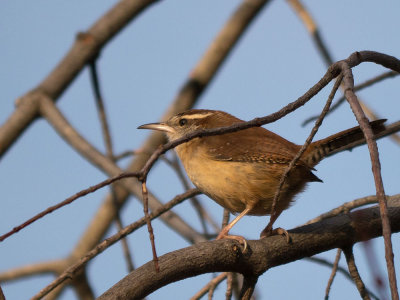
(277, 231)
(242, 241)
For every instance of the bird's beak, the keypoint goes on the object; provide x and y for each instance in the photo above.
(158, 126)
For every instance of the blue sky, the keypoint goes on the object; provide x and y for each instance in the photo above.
(141, 71)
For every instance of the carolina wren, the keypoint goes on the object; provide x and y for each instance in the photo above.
(241, 171)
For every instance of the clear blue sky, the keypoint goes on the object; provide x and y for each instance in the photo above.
(141, 71)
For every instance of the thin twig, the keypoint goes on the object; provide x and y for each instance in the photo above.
(225, 218)
(105, 128)
(148, 222)
(333, 273)
(333, 71)
(373, 264)
(211, 291)
(307, 142)
(348, 252)
(214, 282)
(312, 28)
(340, 269)
(358, 87)
(68, 201)
(86, 46)
(348, 206)
(229, 285)
(100, 108)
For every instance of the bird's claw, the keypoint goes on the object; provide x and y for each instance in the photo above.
(276, 231)
(240, 239)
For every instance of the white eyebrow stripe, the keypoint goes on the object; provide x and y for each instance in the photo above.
(197, 116)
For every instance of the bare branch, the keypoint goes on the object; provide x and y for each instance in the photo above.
(348, 206)
(86, 46)
(340, 269)
(376, 168)
(66, 202)
(333, 273)
(214, 282)
(69, 273)
(225, 255)
(65, 130)
(307, 142)
(367, 83)
(32, 269)
(348, 252)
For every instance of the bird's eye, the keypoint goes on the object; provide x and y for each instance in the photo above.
(182, 122)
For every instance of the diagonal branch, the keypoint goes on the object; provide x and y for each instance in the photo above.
(76, 267)
(87, 45)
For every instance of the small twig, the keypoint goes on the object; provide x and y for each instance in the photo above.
(312, 28)
(358, 87)
(348, 252)
(68, 273)
(229, 285)
(68, 201)
(149, 227)
(340, 269)
(100, 107)
(307, 142)
(105, 128)
(212, 283)
(351, 97)
(225, 218)
(333, 273)
(372, 260)
(211, 291)
(348, 206)
(333, 71)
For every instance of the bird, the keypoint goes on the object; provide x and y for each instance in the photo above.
(242, 170)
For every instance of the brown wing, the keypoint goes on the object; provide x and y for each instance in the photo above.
(251, 145)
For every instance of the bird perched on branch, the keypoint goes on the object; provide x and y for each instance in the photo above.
(241, 170)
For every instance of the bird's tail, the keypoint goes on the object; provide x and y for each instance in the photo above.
(344, 140)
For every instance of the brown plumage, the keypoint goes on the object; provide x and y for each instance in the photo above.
(241, 170)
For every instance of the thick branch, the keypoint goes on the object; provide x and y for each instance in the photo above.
(225, 256)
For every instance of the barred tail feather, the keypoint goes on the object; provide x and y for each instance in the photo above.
(344, 140)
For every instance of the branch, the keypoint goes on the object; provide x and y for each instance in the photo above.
(333, 71)
(348, 252)
(76, 267)
(348, 206)
(86, 46)
(225, 256)
(48, 267)
(348, 83)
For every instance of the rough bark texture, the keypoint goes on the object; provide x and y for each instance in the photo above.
(225, 255)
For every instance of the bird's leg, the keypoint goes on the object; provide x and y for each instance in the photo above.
(268, 231)
(224, 232)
